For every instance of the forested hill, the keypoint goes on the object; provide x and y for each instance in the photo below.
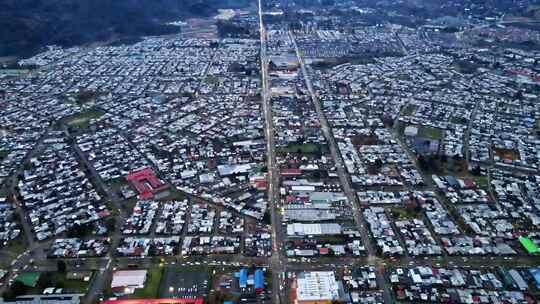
(27, 25)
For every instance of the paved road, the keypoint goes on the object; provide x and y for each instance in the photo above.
(336, 156)
(276, 260)
(343, 176)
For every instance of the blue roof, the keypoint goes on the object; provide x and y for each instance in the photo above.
(242, 278)
(259, 279)
(536, 274)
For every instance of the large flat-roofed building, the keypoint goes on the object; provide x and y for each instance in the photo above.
(146, 182)
(47, 299)
(126, 281)
(300, 229)
(317, 287)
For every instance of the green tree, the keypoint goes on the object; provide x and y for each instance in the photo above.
(17, 289)
(62, 267)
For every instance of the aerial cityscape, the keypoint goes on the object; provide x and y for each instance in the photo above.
(270, 151)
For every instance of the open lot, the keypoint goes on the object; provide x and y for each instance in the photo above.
(184, 282)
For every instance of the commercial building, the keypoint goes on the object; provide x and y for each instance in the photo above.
(317, 287)
(126, 281)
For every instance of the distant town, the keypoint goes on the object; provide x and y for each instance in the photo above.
(288, 152)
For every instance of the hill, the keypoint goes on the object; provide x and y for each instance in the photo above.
(27, 25)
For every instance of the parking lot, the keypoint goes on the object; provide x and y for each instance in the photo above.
(184, 282)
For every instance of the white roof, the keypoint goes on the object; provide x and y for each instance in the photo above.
(129, 278)
(317, 285)
(313, 229)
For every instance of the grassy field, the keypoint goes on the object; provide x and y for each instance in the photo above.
(54, 279)
(79, 285)
(82, 119)
(117, 184)
(11, 251)
(403, 213)
(430, 133)
(481, 181)
(151, 287)
(174, 195)
(304, 148)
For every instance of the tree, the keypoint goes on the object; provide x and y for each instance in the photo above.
(45, 280)
(422, 162)
(79, 231)
(17, 289)
(110, 223)
(444, 158)
(62, 267)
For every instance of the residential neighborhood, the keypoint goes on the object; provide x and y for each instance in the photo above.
(282, 152)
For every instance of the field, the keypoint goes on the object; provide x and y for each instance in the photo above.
(55, 279)
(82, 120)
(430, 133)
(481, 181)
(11, 251)
(402, 213)
(304, 148)
(173, 195)
(151, 286)
(184, 282)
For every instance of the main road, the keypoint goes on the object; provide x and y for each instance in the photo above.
(277, 260)
(344, 178)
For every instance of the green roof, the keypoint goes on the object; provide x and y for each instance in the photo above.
(29, 279)
(529, 245)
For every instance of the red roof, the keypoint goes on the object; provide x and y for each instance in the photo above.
(146, 182)
(469, 183)
(291, 171)
(290, 198)
(104, 213)
(261, 185)
(156, 301)
(323, 250)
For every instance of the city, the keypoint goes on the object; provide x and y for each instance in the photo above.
(286, 152)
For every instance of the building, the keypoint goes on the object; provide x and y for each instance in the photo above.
(47, 299)
(259, 281)
(300, 229)
(146, 182)
(411, 131)
(156, 301)
(529, 245)
(317, 287)
(126, 281)
(242, 276)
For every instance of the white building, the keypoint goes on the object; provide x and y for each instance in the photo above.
(317, 286)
